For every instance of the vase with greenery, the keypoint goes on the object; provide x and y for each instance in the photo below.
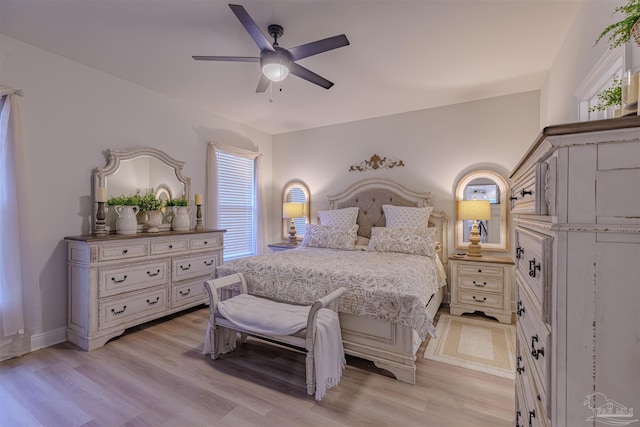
(177, 202)
(150, 207)
(622, 31)
(610, 97)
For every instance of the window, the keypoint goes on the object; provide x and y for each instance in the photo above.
(237, 204)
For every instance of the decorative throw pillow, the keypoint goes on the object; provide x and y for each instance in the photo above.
(406, 216)
(326, 236)
(407, 240)
(339, 217)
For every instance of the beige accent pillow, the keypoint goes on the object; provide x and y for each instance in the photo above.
(339, 217)
(325, 236)
(407, 240)
(406, 216)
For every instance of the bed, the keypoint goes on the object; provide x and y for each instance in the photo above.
(392, 296)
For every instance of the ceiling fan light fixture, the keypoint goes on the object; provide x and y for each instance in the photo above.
(275, 69)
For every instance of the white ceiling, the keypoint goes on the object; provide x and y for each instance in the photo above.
(403, 56)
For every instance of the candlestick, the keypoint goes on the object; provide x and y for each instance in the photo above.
(100, 229)
(101, 194)
(199, 225)
(198, 199)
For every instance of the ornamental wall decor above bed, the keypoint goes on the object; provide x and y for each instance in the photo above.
(376, 162)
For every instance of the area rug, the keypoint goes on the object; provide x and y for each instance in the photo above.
(481, 345)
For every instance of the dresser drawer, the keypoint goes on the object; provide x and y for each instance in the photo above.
(169, 246)
(480, 299)
(188, 293)
(206, 242)
(531, 402)
(533, 262)
(122, 251)
(194, 266)
(116, 280)
(527, 194)
(117, 311)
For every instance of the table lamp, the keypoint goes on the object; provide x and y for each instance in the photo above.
(290, 211)
(475, 210)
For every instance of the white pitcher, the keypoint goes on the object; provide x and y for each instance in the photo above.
(127, 222)
(181, 218)
(152, 219)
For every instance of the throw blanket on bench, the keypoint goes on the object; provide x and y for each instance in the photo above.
(253, 314)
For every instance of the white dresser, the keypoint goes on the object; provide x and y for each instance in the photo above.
(117, 282)
(576, 202)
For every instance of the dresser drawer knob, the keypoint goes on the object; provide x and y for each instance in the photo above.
(479, 300)
(479, 270)
(116, 312)
(208, 263)
(185, 293)
(150, 274)
(183, 268)
(533, 267)
(124, 251)
(153, 302)
(480, 285)
(114, 280)
(170, 246)
(206, 242)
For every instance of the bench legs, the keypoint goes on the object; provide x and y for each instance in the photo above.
(310, 374)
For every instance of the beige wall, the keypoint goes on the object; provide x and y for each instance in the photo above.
(71, 114)
(437, 145)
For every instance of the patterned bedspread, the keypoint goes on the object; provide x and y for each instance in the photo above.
(382, 285)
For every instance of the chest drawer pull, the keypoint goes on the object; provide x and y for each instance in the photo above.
(479, 300)
(536, 352)
(519, 252)
(153, 302)
(519, 369)
(532, 414)
(533, 267)
(526, 192)
(480, 285)
(208, 263)
(518, 419)
(150, 274)
(520, 310)
(116, 312)
(513, 198)
(183, 268)
(114, 280)
(185, 293)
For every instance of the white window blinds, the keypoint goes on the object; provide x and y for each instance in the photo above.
(236, 204)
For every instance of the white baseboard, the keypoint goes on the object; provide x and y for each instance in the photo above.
(49, 338)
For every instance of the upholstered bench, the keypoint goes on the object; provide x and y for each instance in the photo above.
(315, 328)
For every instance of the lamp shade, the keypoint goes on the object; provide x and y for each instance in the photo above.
(292, 210)
(474, 210)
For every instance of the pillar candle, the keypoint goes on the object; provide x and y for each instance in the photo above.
(101, 194)
(198, 199)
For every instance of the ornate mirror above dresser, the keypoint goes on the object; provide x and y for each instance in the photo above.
(141, 168)
(485, 185)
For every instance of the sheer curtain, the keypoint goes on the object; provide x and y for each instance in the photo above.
(19, 306)
(211, 202)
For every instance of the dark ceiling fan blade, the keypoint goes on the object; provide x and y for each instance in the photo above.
(227, 58)
(303, 73)
(263, 84)
(252, 28)
(314, 48)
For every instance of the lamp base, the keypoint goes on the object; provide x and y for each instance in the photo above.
(292, 240)
(474, 240)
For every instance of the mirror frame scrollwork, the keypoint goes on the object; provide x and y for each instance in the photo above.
(501, 182)
(295, 183)
(114, 157)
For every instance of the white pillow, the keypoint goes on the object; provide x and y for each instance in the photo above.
(339, 217)
(406, 216)
(407, 240)
(326, 236)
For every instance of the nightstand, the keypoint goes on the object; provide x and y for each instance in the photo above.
(281, 246)
(481, 284)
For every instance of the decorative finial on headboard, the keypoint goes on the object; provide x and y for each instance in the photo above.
(376, 162)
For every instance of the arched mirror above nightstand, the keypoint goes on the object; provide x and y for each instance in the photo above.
(485, 185)
(296, 191)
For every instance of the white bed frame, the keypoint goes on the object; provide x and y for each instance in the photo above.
(389, 346)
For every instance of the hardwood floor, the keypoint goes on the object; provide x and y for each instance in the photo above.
(156, 375)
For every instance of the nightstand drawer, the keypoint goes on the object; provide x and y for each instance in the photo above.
(475, 269)
(480, 299)
(489, 284)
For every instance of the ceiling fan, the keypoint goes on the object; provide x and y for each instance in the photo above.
(275, 61)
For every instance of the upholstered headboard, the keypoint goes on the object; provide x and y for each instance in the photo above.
(370, 194)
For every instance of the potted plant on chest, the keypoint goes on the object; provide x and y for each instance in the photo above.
(622, 31)
(610, 99)
(150, 206)
(181, 214)
(126, 208)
